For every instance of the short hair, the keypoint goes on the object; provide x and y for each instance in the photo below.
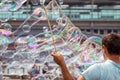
(112, 43)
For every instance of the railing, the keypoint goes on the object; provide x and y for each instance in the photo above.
(78, 14)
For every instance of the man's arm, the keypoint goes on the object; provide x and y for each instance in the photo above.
(58, 58)
(66, 74)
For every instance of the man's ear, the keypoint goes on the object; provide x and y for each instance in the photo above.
(104, 51)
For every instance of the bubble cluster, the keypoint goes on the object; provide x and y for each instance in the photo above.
(78, 50)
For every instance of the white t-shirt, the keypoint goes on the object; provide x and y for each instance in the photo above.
(108, 70)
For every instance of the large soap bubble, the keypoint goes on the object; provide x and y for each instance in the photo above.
(92, 51)
(21, 59)
(78, 50)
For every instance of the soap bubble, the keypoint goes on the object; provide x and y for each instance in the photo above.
(3, 44)
(21, 44)
(42, 2)
(26, 28)
(34, 2)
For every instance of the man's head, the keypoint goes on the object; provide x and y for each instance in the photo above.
(112, 43)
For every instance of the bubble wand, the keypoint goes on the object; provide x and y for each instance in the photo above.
(49, 24)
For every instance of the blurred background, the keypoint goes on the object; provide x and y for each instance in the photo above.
(96, 17)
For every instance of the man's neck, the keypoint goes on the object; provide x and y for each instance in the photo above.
(115, 58)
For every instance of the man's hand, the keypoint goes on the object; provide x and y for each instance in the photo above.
(58, 58)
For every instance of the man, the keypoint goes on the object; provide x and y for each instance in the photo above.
(108, 70)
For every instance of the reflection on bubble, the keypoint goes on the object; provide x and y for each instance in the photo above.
(16, 4)
(66, 51)
(28, 63)
(39, 13)
(77, 49)
(48, 66)
(6, 60)
(62, 21)
(3, 43)
(15, 65)
(46, 32)
(4, 20)
(26, 28)
(34, 2)
(4, 6)
(20, 43)
(74, 34)
(40, 77)
(21, 60)
(32, 41)
(92, 52)
(7, 54)
(11, 5)
(42, 2)
(55, 8)
(6, 26)
(40, 58)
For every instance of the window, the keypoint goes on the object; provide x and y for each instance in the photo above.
(109, 31)
(88, 30)
(95, 31)
(101, 31)
(115, 31)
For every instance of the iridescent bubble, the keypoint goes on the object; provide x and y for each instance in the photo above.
(46, 32)
(34, 2)
(62, 21)
(48, 65)
(21, 60)
(96, 39)
(74, 33)
(92, 52)
(40, 77)
(26, 28)
(6, 26)
(50, 45)
(58, 30)
(28, 63)
(4, 20)
(42, 2)
(5, 5)
(66, 39)
(15, 65)
(73, 38)
(73, 64)
(32, 41)
(55, 7)
(66, 51)
(3, 43)
(40, 58)
(39, 13)
(7, 54)
(27, 54)
(7, 60)
(61, 2)
(16, 4)
(21, 43)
